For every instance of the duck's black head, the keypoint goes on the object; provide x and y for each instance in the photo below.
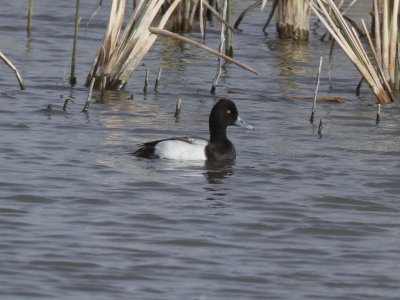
(224, 114)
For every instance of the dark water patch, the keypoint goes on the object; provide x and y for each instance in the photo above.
(14, 225)
(236, 277)
(17, 292)
(152, 218)
(7, 211)
(384, 184)
(350, 203)
(341, 232)
(188, 242)
(34, 199)
(88, 201)
(63, 265)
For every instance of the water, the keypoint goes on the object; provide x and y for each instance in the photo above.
(297, 216)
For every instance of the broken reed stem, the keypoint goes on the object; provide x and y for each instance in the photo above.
(86, 107)
(378, 114)
(178, 108)
(212, 51)
(65, 104)
(12, 67)
(202, 20)
(242, 15)
(330, 60)
(358, 88)
(158, 79)
(94, 13)
(221, 49)
(146, 81)
(219, 17)
(320, 128)
(103, 85)
(271, 14)
(30, 9)
(186, 16)
(72, 78)
(314, 107)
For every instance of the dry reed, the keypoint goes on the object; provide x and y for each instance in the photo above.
(348, 39)
(122, 51)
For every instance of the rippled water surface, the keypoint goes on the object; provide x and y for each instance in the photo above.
(298, 215)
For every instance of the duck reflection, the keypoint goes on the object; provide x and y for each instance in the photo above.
(217, 171)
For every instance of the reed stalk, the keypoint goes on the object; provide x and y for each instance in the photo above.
(65, 104)
(348, 39)
(30, 11)
(146, 81)
(86, 107)
(202, 20)
(378, 114)
(218, 15)
(72, 77)
(314, 107)
(293, 18)
(121, 51)
(186, 16)
(320, 128)
(385, 44)
(228, 32)
(221, 48)
(243, 14)
(12, 67)
(271, 14)
(178, 108)
(95, 12)
(158, 79)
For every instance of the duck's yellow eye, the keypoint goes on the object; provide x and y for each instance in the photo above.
(228, 112)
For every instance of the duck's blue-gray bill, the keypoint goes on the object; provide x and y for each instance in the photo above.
(240, 122)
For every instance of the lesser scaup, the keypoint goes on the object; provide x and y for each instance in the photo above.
(218, 148)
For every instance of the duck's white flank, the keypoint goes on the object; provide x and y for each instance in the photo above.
(193, 149)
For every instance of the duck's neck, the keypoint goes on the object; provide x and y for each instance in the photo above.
(217, 133)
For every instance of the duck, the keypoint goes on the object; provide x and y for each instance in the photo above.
(218, 148)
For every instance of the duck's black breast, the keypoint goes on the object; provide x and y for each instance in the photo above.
(220, 151)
